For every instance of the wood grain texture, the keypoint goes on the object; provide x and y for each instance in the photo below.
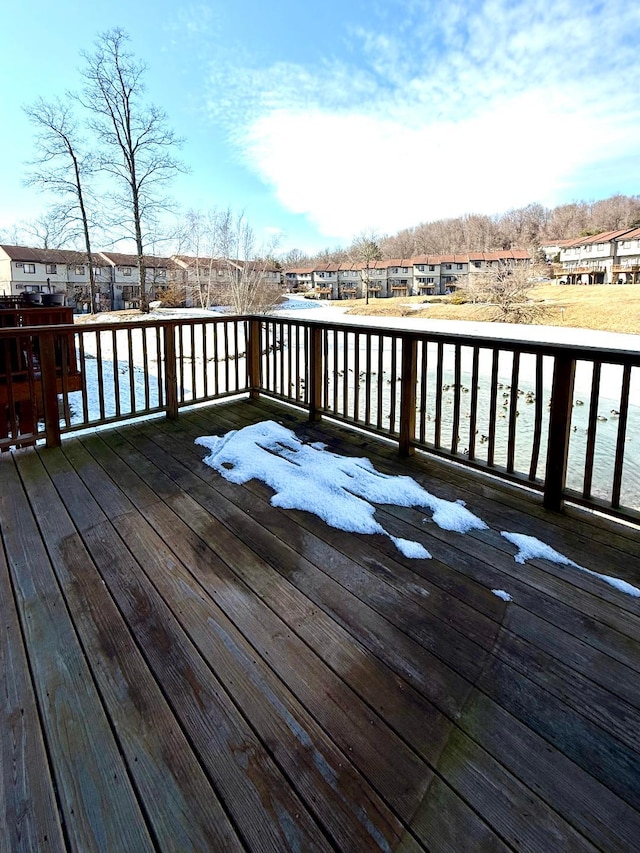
(268, 682)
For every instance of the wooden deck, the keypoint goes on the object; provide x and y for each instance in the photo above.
(185, 667)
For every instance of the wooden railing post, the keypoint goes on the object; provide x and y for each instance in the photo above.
(408, 384)
(170, 372)
(559, 431)
(315, 373)
(254, 360)
(49, 389)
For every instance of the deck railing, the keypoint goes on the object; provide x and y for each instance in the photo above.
(563, 420)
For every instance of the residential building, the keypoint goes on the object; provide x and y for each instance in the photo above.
(591, 260)
(160, 274)
(24, 269)
(626, 265)
(420, 275)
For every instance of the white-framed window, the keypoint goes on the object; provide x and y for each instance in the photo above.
(30, 268)
(420, 267)
(432, 268)
(97, 271)
(50, 269)
(477, 264)
(430, 280)
(447, 266)
(126, 270)
(79, 270)
(459, 266)
(161, 273)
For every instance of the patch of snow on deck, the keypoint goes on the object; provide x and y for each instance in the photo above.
(501, 593)
(530, 548)
(340, 490)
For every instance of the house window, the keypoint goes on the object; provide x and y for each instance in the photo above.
(30, 268)
(403, 281)
(79, 270)
(51, 269)
(447, 266)
(476, 264)
(422, 281)
(161, 273)
(97, 270)
(420, 267)
(429, 280)
(458, 266)
(126, 270)
(432, 268)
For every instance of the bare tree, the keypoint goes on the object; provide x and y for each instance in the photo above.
(253, 277)
(199, 239)
(137, 146)
(506, 287)
(364, 252)
(64, 168)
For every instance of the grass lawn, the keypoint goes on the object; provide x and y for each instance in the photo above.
(610, 308)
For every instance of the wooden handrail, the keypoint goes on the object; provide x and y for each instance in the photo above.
(394, 383)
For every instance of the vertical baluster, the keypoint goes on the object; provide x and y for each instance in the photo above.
(622, 430)
(194, 391)
(537, 428)
(49, 388)
(171, 375)
(367, 380)
(424, 364)
(380, 338)
(591, 429)
(408, 384)
(439, 377)
(116, 374)
(356, 376)
(473, 419)
(493, 407)
(100, 374)
(559, 430)
(145, 369)
(394, 385)
(513, 412)
(457, 393)
(225, 332)
(132, 371)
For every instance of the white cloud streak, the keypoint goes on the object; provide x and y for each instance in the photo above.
(454, 108)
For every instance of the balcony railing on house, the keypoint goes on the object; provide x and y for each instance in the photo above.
(562, 420)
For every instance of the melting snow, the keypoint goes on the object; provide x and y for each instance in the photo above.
(340, 490)
(502, 594)
(530, 548)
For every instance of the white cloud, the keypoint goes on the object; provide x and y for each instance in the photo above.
(451, 110)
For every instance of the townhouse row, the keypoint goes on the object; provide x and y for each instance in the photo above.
(25, 270)
(611, 257)
(423, 274)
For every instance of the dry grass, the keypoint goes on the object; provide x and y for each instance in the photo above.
(610, 308)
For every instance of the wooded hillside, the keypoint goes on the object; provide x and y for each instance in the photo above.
(526, 227)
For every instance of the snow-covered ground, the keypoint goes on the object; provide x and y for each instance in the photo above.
(510, 331)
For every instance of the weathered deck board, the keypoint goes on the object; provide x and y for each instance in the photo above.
(165, 462)
(179, 800)
(262, 681)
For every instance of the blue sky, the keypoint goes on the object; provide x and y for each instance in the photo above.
(324, 120)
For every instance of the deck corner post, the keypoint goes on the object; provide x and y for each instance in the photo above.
(49, 389)
(170, 372)
(253, 363)
(559, 431)
(315, 374)
(408, 385)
